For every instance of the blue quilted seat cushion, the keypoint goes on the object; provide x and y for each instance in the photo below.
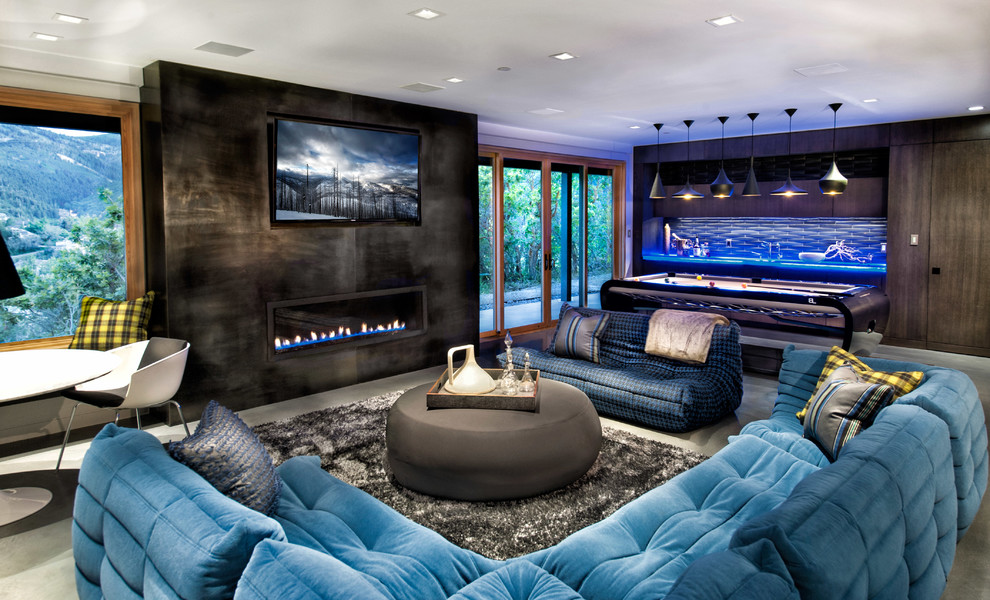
(754, 572)
(145, 525)
(399, 557)
(946, 393)
(640, 550)
(280, 571)
(877, 523)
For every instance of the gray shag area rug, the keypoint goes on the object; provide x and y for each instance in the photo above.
(350, 441)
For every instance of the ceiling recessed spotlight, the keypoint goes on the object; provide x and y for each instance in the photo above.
(454, 80)
(46, 37)
(723, 21)
(69, 19)
(563, 56)
(870, 100)
(543, 112)
(426, 14)
(634, 127)
(975, 108)
(504, 69)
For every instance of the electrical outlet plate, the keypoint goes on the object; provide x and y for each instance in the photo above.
(914, 239)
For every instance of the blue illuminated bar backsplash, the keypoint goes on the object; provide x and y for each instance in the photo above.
(847, 243)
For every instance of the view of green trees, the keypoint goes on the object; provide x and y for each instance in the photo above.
(62, 217)
(522, 246)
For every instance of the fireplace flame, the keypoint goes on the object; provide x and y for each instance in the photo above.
(340, 334)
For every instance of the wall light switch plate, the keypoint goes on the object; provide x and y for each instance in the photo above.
(914, 239)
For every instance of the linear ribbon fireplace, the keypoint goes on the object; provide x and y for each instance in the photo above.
(325, 323)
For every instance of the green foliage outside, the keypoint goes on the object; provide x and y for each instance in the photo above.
(90, 261)
(523, 254)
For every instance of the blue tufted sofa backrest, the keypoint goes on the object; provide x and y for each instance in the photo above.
(877, 523)
(948, 394)
(145, 526)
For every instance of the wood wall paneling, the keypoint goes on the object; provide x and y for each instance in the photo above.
(909, 197)
(959, 297)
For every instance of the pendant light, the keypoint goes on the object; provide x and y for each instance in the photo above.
(833, 183)
(688, 192)
(657, 191)
(752, 188)
(722, 186)
(789, 189)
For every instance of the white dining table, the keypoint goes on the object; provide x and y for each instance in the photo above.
(26, 375)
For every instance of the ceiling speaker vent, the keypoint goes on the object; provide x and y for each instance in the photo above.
(818, 71)
(422, 87)
(224, 49)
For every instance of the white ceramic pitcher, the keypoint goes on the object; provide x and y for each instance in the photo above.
(469, 378)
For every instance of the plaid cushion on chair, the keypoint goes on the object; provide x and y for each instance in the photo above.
(106, 324)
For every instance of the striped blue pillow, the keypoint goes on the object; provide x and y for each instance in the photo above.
(577, 336)
(841, 409)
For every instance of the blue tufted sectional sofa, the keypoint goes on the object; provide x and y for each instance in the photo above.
(630, 384)
(766, 517)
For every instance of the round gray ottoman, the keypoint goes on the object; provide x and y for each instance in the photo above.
(476, 454)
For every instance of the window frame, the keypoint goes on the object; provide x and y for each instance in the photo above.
(130, 147)
(498, 155)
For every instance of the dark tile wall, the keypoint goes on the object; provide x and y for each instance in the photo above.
(216, 259)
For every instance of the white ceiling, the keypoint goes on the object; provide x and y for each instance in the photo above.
(639, 61)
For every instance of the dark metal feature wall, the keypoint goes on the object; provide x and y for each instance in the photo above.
(217, 261)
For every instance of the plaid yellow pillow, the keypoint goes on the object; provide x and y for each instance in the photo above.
(106, 324)
(902, 382)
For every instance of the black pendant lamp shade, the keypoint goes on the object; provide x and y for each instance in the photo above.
(722, 187)
(688, 192)
(657, 190)
(752, 188)
(833, 183)
(10, 281)
(789, 189)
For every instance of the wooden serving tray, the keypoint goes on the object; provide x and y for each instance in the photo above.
(438, 397)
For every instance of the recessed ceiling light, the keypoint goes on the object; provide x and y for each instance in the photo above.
(870, 100)
(819, 70)
(723, 21)
(224, 49)
(69, 19)
(503, 69)
(46, 37)
(563, 56)
(422, 87)
(454, 80)
(543, 112)
(426, 14)
(975, 108)
(634, 127)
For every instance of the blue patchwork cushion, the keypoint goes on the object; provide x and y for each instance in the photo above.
(225, 452)
(578, 336)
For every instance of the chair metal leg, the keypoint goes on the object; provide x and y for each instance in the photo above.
(65, 440)
(182, 418)
(116, 416)
(137, 415)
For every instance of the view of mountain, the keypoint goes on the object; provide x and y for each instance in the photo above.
(43, 171)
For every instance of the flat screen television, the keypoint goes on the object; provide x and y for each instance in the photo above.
(326, 172)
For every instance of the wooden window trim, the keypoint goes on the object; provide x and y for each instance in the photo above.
(130, 147)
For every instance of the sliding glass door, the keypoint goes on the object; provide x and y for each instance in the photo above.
(547, 236)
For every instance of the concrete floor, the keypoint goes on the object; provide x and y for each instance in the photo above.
(37, 563)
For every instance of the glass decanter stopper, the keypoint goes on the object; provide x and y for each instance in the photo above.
(508, 383)
(526, 384)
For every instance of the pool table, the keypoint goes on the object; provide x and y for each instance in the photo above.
(853, 316)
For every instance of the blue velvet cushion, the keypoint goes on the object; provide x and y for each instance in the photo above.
(578, 336)
(841, 409)
(225, 452)
(753, 572)
(145, 526)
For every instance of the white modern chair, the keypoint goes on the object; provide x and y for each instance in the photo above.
(149, 375)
